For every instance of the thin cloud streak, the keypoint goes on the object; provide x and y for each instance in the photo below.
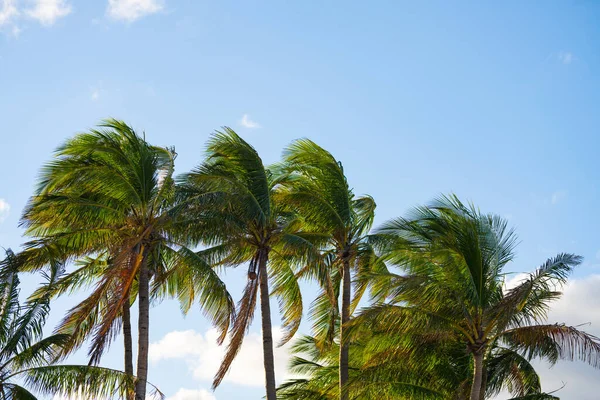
(246, 122)
(132, 10)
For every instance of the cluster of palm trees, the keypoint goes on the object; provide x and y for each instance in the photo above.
(438, 321)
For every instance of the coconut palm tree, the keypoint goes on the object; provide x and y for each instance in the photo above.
(108, 193)
(453, 258)
(25, 355)
(318, 191)
(240, 219)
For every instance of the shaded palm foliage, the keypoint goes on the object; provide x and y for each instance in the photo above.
(108, 194)
(388, 366)
(25, 355)
(318, 373)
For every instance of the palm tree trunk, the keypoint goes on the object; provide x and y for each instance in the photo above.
(127, 343)
(344, 346)
(267, 334)
(476, 388)
(143, 330)
(483, 383)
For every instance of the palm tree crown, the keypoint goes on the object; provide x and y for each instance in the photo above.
(235, 203)
(454, 258)
(110, 194)
(318, 191)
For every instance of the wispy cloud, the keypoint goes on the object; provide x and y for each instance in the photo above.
(246, 122)
(47, 12)
(8, 12)
(131, 10)
(566, 57)
(4, 210)
(96, 91)
(557, 197)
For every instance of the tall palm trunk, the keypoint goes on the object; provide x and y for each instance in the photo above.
(143, 330)
(484, 379)
(267, 334)
(476, 388)
(127, 343)
(344, 346)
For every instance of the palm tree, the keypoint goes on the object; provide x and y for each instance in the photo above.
(109, 193)
(319, 192)
(25, 355)
(239, 217)
(454, 258)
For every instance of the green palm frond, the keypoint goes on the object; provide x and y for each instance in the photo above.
(507, 369)
(12, 391)
(190, 278)
(29, 325)
(287, 290)
(9, 292)
(553, 342)
(85, 381)
(528, 302)
(38, 353)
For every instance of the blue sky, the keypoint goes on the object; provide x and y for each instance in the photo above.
(496, 102)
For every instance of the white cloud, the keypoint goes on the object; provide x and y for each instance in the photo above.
(4, 210)
(565, 57)
(558, 197)
(203, 356)
(513, 282)
(579, 305)
(248, 123)
(8, 11)
(189, 394)
(130, 10)
(48, 11)
(96, 91)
